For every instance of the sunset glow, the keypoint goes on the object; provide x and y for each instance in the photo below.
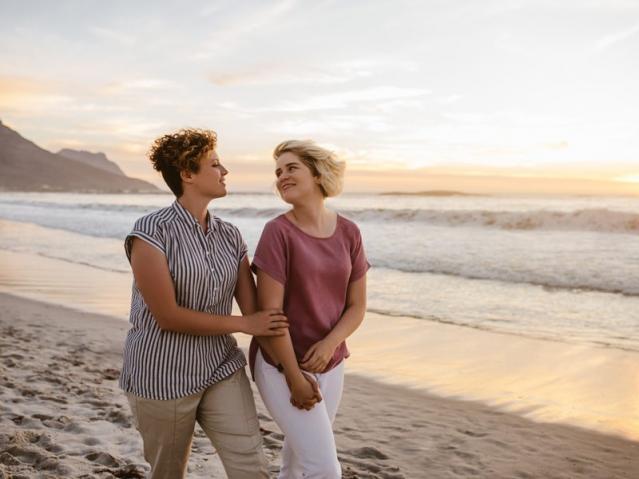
(468, 89)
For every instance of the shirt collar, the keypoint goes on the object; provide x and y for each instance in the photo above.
(188, 218)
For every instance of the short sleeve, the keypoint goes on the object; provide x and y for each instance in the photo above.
(359, 263)
(271, 254)
(242, 249)
(148, 230)
(240, 245)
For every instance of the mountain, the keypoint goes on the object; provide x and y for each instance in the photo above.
(24, 166)
(97, 160)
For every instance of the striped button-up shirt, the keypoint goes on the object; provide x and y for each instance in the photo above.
(168, 365)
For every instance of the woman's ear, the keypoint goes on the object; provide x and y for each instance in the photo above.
(186, 176)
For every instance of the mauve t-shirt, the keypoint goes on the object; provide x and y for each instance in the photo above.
(315, 273)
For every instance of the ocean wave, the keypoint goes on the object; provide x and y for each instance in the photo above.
(559, 282)
(595, 219)
(622, 343)
(70, 260)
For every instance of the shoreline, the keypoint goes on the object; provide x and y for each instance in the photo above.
(63, 414)
(560, 382)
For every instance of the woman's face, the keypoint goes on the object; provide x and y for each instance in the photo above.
(209, 180)
(295, 181)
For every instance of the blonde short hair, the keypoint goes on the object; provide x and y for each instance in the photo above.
(322, 162)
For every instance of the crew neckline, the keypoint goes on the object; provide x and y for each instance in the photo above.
(337, 222)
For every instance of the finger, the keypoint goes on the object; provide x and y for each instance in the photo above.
(314, 363)
(308, 354)
(275, 332)
(310, 361)
(280, 329)
(316, 388)
(279, 324)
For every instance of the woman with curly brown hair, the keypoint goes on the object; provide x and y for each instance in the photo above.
(181, 364)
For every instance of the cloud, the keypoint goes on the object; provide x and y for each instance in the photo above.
(385, 97)
(345, 99)
(330, 126)
(628, 178)
(450, 99)
(325, 73)
(609, 40)
(13, 86)
(112, 35)
(269, 74)
(28, 94)
(242, 27)
(133, 128)
(137, 85)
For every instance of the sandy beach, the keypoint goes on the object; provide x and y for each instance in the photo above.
(62, 415)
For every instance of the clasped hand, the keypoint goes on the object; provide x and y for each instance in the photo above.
(305, 392)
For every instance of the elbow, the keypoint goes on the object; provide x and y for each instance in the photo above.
(358, 307)
(163, 323)
(163, 326)
(164, 320)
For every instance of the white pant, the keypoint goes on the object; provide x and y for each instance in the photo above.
(309, 446)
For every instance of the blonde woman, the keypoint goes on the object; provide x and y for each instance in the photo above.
(311, 263)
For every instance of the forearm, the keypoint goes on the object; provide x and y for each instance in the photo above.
(188, 321)
(247, 305)
(347, 325)
(280, 350)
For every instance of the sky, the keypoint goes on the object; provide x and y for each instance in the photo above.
(486, 96)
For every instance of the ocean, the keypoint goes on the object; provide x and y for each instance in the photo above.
(528, 304)
(560, 268)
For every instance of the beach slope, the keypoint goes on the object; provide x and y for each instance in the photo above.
(62, 415)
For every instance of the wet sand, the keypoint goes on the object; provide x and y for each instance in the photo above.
(584, 385)
(62, 415)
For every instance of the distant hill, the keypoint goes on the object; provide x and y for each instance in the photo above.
(97, 160)
(24, 166)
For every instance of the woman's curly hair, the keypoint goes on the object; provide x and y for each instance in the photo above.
(180, 151)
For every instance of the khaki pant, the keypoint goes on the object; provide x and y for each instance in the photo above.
(225, 411)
